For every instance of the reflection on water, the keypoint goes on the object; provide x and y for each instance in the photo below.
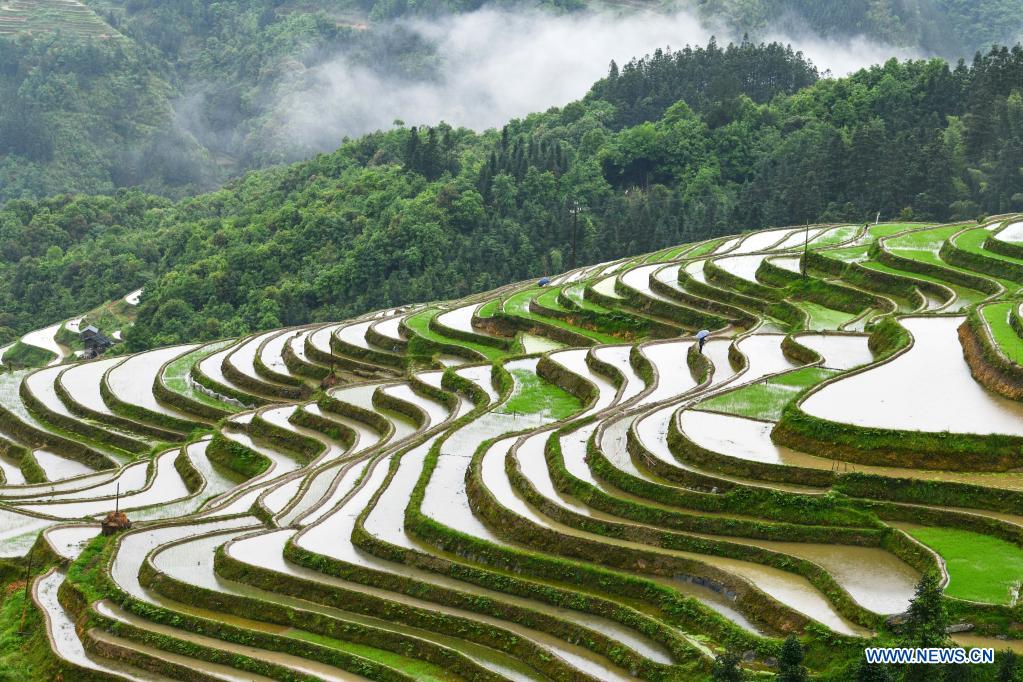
(928, 388)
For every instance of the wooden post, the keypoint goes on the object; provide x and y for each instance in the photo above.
(806, 247)
(28, 584)
(575, 224)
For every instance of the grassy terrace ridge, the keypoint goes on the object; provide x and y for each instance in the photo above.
(924, 245)
(574, 292)
(27, 355)
(534, 395)
(889, 229)
(701, 249)
(766, 399)
(980, 568)
(833, 236)
(420, 324)
(973, 241)
(11, 401)
(965, 294)
(549, 299)
(176, 376)
(609, 543)
(518, 305)
(1005, 337)
(418, 669)
(921, 239)
(849, 254)
(687, 251)
(822, 317)
(489, 308)
(856, 252)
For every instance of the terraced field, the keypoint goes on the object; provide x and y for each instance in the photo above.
(542, 483)
(67, 17)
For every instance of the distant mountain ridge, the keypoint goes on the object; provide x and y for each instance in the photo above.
(949, 28)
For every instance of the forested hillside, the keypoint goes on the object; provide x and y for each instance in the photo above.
(418, 214)
(175, 96)
(89, 116)
(178, 97)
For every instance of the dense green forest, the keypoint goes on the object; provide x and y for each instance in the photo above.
(177, 97)
(89, 117)
(667, 149)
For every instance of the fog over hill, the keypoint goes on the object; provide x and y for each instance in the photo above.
(493, 64)
(192, 94)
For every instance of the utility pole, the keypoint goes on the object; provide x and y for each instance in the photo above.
(28, 584)
(575, 224)
(806, 248)
(117, 498)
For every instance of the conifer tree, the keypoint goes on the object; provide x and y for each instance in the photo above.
(927, 625)
(790, 662)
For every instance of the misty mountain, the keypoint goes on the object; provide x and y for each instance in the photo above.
(177, 97)
(431, 212)
(952, 29)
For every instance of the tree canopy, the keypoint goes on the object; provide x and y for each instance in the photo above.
(437, 212)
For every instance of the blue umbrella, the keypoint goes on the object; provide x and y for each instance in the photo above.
(544, 281)
(702, 334)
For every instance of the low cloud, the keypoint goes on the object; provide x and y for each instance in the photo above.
(842, 56)
(494, 64)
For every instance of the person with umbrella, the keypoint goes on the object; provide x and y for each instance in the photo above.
(701, 336)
